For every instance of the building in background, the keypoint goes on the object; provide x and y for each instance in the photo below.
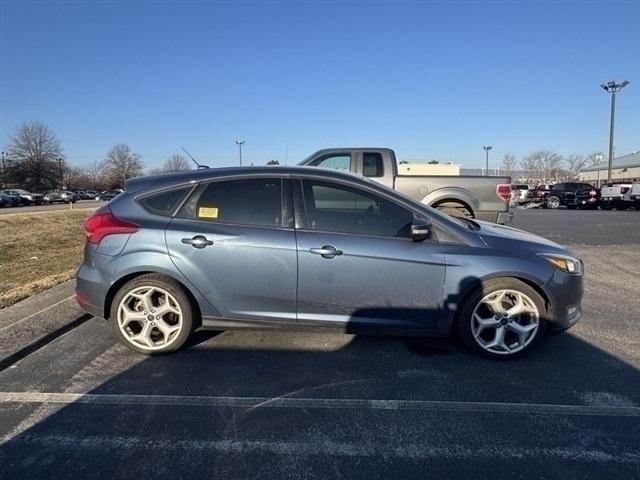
(626, 169)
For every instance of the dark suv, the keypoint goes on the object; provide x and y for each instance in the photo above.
(567, 193)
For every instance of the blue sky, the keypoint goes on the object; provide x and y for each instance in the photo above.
(431, 80)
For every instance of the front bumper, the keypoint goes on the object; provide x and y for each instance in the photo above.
(565, 292)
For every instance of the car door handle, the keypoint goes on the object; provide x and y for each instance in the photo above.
(199, 241)
(328, 251)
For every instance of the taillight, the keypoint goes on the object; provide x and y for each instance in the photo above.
(503, 191)
(105, 223)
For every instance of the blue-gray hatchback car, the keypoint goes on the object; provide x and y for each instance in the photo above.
(280, 247)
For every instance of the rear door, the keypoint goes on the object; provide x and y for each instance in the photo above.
(234, 240)
(357, 264)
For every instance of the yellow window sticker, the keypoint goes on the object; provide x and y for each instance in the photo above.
(207, 212)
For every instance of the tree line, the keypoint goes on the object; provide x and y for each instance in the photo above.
(544, 166)
(35, 161)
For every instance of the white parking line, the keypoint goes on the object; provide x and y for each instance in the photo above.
(37, 313)
(330, 403)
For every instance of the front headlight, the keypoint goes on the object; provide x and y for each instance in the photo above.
(564, 262)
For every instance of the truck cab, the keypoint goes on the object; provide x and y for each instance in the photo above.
(481, 197)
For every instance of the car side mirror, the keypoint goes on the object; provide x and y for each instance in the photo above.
(420, 229)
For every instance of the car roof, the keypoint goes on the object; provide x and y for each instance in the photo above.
(186, 176)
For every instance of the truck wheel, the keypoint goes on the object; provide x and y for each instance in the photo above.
(502, 319)
(455, 209)
(553, 202)
(637, 205)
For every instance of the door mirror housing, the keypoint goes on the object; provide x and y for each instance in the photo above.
(420, 229)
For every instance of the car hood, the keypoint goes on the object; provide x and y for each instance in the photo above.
(509, 238)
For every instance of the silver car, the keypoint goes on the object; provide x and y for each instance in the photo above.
(296, 247)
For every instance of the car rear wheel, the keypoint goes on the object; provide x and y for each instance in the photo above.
(152, 314)
(502, 319)
(553, 202)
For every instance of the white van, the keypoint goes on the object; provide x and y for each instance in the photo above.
(615, 195)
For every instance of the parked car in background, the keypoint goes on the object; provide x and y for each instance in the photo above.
(26, 198)
(323, 249)
(635, 195)
(564, 193)
(485, 198)
(108, 195)
(519, 193)
(9, 200)
(60, 196)
(90, 194)
(538, 195)
(588, 198)
(616, 195)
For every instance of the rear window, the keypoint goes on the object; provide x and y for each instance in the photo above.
(372, 164)
(164, 203)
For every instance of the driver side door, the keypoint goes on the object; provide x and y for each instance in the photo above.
(357, 264)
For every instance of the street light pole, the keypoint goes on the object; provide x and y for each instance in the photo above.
(612, 87)
(240, 143)
(60, 171)
(4, 172)
(486, 151)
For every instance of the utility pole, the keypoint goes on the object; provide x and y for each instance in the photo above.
(240, 143)
(60, 171)
(612, 87)
(486, 151)
(4, 172)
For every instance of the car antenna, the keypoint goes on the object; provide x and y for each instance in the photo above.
(200, 167)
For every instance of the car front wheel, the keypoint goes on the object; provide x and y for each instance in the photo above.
(152, 314)
(503, 319)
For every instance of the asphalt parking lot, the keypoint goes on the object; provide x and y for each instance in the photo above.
(292, 405)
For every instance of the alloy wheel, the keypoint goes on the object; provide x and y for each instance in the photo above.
(505, 322)
(150, 318)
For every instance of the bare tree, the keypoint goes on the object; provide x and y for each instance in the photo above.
(273, 162)
(546, 164)
(36, 158)
(176, 163)
(529, 165)
(94, 174)
(574, 163)
(594, 159)
(509, 164)
(121, 164)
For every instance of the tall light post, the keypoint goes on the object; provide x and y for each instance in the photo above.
(4, 172)
(60, 172)
(612, 87)
(486, 151)
(240, 143)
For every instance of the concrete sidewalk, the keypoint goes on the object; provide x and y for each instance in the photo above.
(33, 322)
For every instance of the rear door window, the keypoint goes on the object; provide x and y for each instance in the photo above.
(372, 164)
(254, 201)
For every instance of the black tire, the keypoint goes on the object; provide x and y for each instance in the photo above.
(552, 202)
(172, 287)
(637, 205)
(455, 209)
(465, 312)
(605, 206)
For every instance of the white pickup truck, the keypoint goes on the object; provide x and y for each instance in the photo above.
(616, 195)
(485, 198)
